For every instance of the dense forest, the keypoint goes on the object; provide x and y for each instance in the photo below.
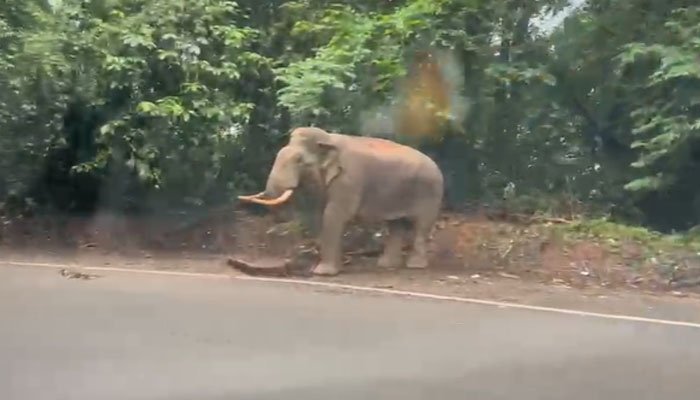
(147, 105)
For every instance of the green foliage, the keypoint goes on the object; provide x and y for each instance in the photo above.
(184, 81)
(169, 82)
(163, 102)
(356, 66)
(614, 233)
(667, 115)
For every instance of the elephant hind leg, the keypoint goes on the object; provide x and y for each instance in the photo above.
(423, 224)
(392, 256)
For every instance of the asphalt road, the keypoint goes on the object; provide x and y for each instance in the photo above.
(126, 337)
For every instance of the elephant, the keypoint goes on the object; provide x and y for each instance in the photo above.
(363, 178)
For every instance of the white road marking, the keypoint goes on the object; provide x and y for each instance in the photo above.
(369, 289)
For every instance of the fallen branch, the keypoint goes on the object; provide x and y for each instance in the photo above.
(529, 219)
(551, 220)
(276, 267)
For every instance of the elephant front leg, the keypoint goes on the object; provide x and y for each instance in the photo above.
(418, 259)
(331, 242)
(392, 257)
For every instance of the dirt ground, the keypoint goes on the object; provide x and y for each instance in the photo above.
(472, 256)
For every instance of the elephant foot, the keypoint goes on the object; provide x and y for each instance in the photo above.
(325, 269)
(417, 262)
(389, 261)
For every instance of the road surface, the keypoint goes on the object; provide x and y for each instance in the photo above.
(124, 336)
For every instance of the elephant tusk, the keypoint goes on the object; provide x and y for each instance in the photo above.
(251, 197)
(273, 202)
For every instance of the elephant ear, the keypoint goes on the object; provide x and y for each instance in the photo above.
(330, 161)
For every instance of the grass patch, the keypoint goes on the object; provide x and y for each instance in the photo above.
(614, 233)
